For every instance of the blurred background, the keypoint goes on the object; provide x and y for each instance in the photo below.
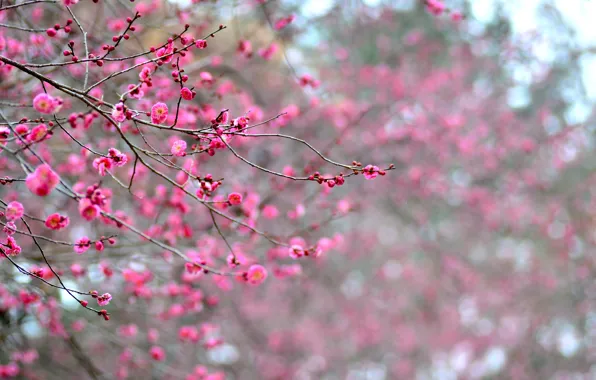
(474, 259)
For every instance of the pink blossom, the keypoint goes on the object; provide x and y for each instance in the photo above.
(42, 181)
(82, 245)
(4, 133)
(14, 210)
(282, 23)
(256, 274)
(296, 251)
(268, 52)
(186, 93)
(104, 299)
(102, 164)
(270, 212)
(57, 222)
(235, 198)
(11, 247)
(370, 172)
(206, 78)
(157, 353)
(99, 246)
(10, 228)
(118, 158)
(77, 270)
(44, 103)
(166, 52)
(118, 112)
(37, 134)
(88, 210)
(201, 44)
(159, 113)
(178, 148)
(436, 7)
(240, 122)
(145, 74)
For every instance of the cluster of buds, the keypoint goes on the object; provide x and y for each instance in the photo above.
(207, 186)
(70, 51)
(87, 119)
(194, 268)
(117, 38)
(178, 75)
(338, 180)
(52, 32)
(297, 251)
(308, 80)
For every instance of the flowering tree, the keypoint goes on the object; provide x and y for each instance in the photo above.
(191, 193)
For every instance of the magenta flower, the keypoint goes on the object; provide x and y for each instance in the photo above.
(104, 299)
(159, 113)
(256, 274)
(235, 198)
(42, 181)
(178, 148)
(44, 103)
(57, 221)
(82, 245)
(14, 210)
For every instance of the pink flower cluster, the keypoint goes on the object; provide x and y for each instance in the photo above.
(115, 158)
(42, 181)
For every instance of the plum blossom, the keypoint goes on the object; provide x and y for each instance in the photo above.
(159, 113)
(42, 181)
(166, 53)
(38, 133)
(256, 274)
(82, 245)
(11, 247)
(14, 210)
(118, 112)
(296, 251)
(157, 353)
(46, 104)
(435, 7)
(118, 158)
(235, 198)
(10, 228)
(370, 172)
(57, 222)
(88, 210)
(102, 164)
(178, 148)
(187, 94)
(104, 299)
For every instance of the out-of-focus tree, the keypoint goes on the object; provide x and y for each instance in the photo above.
(258, 190)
